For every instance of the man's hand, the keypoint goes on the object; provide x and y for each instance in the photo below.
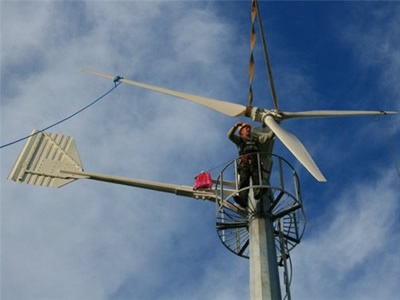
(238, 124)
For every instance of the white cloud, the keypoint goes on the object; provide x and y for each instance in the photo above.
(93, 240)
(200, 38)
(352, 242)
(85, 240)
(25, 36)
(378, 46)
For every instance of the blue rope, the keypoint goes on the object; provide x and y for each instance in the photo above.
(116, 84)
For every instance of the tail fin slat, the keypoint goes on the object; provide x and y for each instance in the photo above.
(42, 158)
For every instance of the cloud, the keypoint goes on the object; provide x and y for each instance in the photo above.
(378, 46)
(92, 240)
(89, 239)
(351, 242)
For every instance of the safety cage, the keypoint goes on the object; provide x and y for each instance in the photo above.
(280, 189)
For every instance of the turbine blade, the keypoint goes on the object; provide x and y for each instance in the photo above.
(332, 113)
(296, 147)
(227, 108)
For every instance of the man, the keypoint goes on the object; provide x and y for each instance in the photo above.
(248, 146)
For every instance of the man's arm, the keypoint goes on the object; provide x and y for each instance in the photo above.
(266, 137)
(231, 133)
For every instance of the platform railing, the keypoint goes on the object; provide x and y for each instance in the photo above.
(279, 181)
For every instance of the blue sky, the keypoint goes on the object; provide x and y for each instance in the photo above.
(91, 240)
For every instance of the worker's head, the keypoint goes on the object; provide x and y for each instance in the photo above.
(245, 129)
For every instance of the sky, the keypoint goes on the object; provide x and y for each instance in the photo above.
(93, 240)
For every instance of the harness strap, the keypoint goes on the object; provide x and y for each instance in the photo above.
(251, 61)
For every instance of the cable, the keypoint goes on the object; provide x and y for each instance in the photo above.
(116, 84)
(266, 58)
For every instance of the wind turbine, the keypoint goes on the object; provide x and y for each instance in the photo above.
(269, 117)
(278, 218)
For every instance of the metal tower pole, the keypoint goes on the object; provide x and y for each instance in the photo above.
(264, 275)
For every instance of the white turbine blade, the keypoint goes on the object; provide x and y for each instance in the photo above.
(296, 147)
(227, 108)
(332, 113)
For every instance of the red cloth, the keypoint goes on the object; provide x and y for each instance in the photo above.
(203, 181)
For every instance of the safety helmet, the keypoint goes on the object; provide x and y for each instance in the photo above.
(244, 125)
